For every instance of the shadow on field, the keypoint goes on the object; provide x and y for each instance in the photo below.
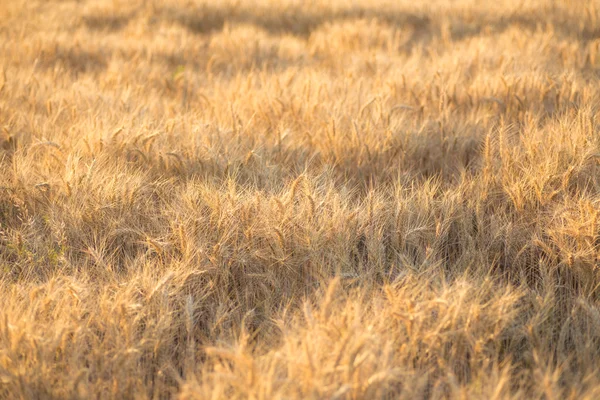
(297, 21)
(74, 59)
(101, 22)
(301, 22)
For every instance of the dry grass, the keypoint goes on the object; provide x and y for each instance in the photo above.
(284, 199)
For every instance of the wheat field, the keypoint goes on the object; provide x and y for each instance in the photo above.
(293, 199)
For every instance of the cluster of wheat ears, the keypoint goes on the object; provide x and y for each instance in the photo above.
(299, 199)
